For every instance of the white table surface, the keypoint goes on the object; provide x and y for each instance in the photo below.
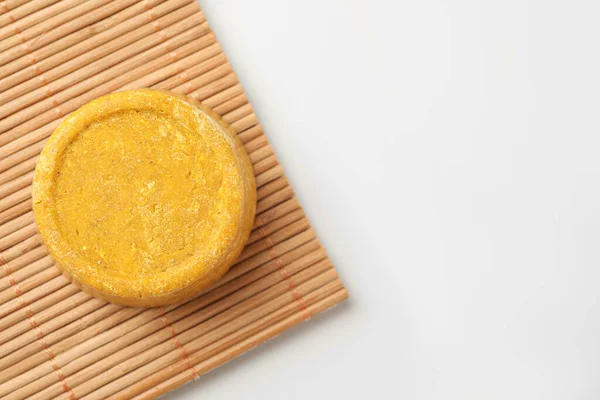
(455, 184)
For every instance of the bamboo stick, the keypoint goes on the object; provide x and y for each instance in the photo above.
(205, 79)
(69, 10)
(9, 12)
(236, 102)
(270, 188)
(175, 69)
(251, 133)
(272, 266)
(27, 254)
(276, 225)
(283, 208)
(256, 144)
(23, 167)
(180, 368)
(15, 185)
(12, 267)
(302, 249)
(18, 96)
(145, 44)
(184, 78)
(84, 309)
(17, 236)
(285, 233)
(41, 375)
(313, 253)
(245, 123)
(21, 25)
(80, 304)
(83, 40)
(28, 284)
(9, 337)
(261, 153)
(148, 322)
(154, 390)
(236, 114)
(104, 83)
(269, 175)
(309, 253)
(214, 88)
(275, 250)
(33, 295)
(15, 198)
(10, 152)
(184, 83)
(15, 224)
(14, 211)
(33, 268)
(37, 305)
(19, 249)
(227, 309)
(32, 150)
(224, 95)
(265, 164)
(16, 157)
(9, 5)
(65, 338)
(190, 341)
(79, 27)
(13, 160)
(27, 243)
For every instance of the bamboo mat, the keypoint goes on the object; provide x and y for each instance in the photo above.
(58, 342)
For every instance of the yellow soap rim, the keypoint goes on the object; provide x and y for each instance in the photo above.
(50, 233)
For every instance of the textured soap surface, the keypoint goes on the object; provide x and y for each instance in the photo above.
(143, 194)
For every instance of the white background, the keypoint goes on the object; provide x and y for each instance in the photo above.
(447, 153)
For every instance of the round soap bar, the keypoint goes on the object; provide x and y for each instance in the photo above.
(144, 198)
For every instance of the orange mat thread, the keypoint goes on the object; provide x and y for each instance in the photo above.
(172, 53)
(6, 10)
(285, 274)
(27, 49)
(184, 354)
(35, 326)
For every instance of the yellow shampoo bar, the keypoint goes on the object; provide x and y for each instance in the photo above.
(144, 198)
